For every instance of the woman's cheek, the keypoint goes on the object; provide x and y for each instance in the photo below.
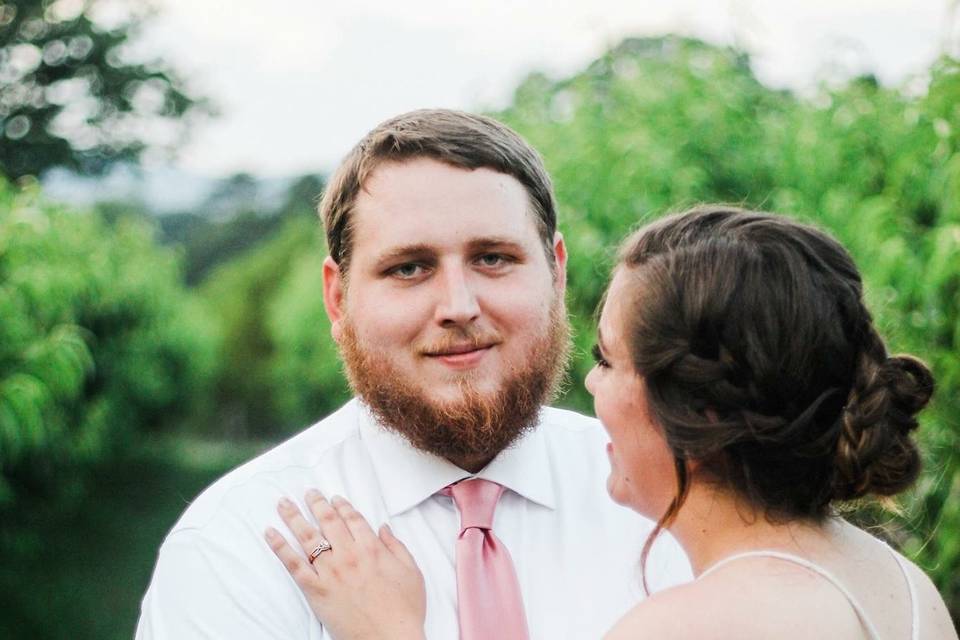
(618, 487)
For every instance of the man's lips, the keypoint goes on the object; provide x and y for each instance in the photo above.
(457, 350)
(465, 355)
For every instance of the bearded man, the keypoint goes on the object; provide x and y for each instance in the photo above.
(445, 289)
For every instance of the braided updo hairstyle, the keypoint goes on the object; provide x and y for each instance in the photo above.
(762, 363)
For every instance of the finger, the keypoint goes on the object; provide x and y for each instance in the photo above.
(331, 524)
(306, 534)
(301, 571)
(359, 528)
(396, 547)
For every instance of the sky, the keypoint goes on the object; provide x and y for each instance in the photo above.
(298, 82)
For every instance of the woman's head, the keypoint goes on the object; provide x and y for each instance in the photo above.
(759, 362)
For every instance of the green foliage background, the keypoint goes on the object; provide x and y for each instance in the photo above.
(99, 342)
(100, 347)
(139, 360)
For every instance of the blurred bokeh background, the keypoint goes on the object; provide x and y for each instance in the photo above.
(160, 309)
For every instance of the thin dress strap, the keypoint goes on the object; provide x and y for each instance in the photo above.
(803, 562)
(914, 609)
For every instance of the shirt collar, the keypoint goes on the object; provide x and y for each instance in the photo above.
(408, 476)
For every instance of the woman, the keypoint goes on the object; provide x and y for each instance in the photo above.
(746, 393)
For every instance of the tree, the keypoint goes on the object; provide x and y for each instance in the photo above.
(303, 196)
(70, 95)
(234, 219)
(100, 343)
(279, 367)
(102, 352)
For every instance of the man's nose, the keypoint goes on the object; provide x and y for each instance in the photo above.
(458, 302)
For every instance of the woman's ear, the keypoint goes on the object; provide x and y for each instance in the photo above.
(693, 463)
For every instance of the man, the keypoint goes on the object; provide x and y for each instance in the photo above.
(444, 286)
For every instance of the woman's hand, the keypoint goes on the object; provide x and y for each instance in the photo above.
(365, 586)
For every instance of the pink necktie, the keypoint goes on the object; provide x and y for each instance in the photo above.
(490, 602)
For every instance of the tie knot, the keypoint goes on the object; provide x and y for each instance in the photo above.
(476, 500)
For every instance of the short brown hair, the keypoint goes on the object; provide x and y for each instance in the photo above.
(457, 138)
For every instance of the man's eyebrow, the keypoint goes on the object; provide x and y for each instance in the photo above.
(421, 250)
(404, 252)
(494, 242)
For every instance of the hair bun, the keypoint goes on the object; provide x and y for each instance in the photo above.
(875, 453)
(910, 383)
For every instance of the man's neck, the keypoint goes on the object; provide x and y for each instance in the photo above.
(471, 463)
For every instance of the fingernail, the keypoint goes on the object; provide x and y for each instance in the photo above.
(271, 533)
(337, 499)
(285, 503)
(313, 494)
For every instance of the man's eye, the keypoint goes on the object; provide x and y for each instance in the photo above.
(492, 259)
(406, 271)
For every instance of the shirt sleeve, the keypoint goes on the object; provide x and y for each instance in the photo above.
(202, 589)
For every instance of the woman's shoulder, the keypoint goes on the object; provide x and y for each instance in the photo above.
(934, 617)
(753, 598)
(666, 615)
(932, 614)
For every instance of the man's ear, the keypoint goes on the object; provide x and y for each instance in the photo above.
(333, 296)
(560, 262)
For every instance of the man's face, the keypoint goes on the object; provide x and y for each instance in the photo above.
(451, 301)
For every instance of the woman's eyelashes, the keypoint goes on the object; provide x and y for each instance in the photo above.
(598, 357)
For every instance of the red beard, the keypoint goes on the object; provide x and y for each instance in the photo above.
(479, 425)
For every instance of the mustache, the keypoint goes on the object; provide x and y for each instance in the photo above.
(460, 342)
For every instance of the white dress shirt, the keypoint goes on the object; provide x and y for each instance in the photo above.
(576, 552)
